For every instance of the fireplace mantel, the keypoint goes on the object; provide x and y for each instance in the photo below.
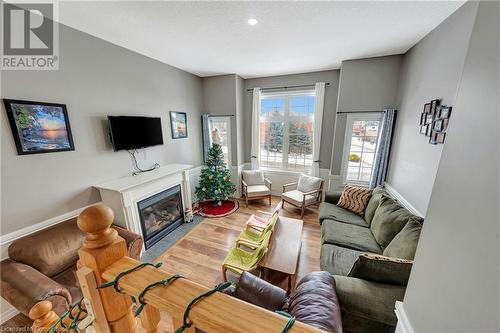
(123, 194)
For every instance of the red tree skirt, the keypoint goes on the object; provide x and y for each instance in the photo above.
(208, 209)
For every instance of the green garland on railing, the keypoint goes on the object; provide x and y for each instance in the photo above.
(164, 283)
(74, 320)
(290, 321)
(114, 283)
(185, 322)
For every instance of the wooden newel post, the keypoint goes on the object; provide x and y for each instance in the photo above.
(43, 316)
(101, 248)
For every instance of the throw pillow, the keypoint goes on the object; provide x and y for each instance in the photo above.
(308, 183)
(372, 205)
(405, 243)
(355, 199)
(253, 177)
(382, 269)
(388, 220)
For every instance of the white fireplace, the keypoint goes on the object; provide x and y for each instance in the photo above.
(131, 198)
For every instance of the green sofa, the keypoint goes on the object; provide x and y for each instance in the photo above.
(367, 304)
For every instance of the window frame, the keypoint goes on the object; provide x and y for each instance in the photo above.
(287, 95)
(351, 118)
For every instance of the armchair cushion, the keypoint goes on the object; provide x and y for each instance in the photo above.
(296, 197)
(259, 292)
(23, 286)
(382, 269)
(257, 190)
(253, 177)
(50, 251)
(133, 240)
(315, 302)
(308, 183)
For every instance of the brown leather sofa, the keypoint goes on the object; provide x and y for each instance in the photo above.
(42, 266)
(314, 301)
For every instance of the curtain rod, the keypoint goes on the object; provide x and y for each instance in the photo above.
(342, 112)
(288, 87)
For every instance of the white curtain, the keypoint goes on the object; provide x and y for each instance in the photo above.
(318, 120)
(255, 158)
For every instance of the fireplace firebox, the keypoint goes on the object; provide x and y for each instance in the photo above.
(160, 214)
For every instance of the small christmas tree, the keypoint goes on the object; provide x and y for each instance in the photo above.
(215, 179)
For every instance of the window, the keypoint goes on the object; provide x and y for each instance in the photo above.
(360, 146)
(286, 130)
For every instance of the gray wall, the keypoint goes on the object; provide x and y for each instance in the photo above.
(331, 92)
(454, 286)
(95, 79)
(431, 69)
(365, 85)
(223, 95)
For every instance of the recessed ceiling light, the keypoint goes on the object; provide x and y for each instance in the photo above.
(253, 21)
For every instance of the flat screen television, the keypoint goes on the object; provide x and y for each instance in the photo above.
(129, 132)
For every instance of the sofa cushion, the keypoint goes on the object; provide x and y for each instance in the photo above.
(50, 251)
(367, 299)
(389, 219)
(382, 269)
(253, 177)
(315, 302)
(405, 243)
(336, 213)
(348, 235)
(337, 260)
(373, 203)
(355, 199)
(308, 183)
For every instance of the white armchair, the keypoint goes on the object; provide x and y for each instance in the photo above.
(255, 186)
(308, 191)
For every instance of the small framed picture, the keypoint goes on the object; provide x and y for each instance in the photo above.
(423, 116)
(429, 130)
(423, 129)
(427, 108)
(434, 105)
(444, 112)
(433, 138)
(440, 137)
(438, 125)
(445, 123)
(429, 118)
(178, 124)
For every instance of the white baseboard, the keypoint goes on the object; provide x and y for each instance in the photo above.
(396, 195)
(404, 325)
(8, 312)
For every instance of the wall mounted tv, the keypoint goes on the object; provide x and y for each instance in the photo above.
(128, 132)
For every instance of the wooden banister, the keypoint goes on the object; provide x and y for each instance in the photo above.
(218, 313)
(43, 316)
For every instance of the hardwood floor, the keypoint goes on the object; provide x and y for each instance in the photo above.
(199, 255)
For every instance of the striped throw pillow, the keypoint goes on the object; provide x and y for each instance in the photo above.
(355, 199)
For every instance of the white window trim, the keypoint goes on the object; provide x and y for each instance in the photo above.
(351, 118)
(229, 142)
(288, 94)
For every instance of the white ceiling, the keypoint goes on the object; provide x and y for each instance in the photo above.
(212, 38)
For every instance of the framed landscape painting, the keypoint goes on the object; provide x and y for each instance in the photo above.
(178, 124)
(39, 127)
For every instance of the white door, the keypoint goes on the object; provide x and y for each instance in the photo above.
(220, 133)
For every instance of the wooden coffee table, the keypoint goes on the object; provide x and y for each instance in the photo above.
(284, 249)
